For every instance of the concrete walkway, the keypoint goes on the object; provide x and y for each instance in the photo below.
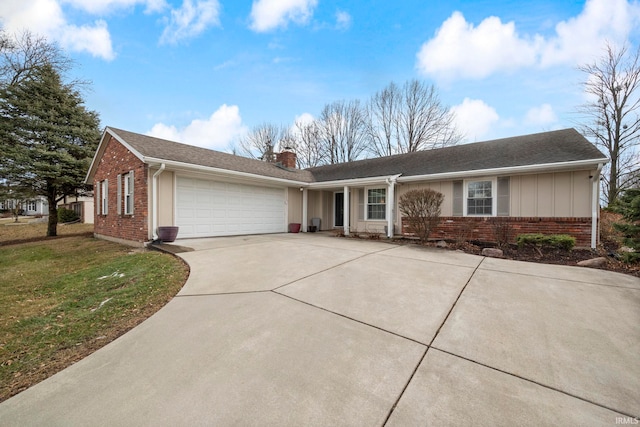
(309, 329)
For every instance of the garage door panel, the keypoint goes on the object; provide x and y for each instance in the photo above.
(215, 208)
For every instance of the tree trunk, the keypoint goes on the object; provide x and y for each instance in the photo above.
(52, 225)
(613, 180)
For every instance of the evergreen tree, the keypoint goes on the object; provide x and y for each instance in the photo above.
(629, 206)
(47, 137)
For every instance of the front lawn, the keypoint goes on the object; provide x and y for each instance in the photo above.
(62, 299)
(27, 230)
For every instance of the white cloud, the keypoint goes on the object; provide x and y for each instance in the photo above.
(343, 20)
(304, 118)
(45, 17)
(541, 116)
(268, 15)
(168, 132)
(475, 118)
(105, 6)
(95, 40)
(193, 18)
(217, 132)
(462, 50)
(579, 39)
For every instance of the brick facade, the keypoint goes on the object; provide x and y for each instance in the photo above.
(484, 229)
(116, 225)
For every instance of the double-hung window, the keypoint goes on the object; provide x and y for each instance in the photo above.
(377, 204)
(480, 197)
(104, 197)
(128, 193)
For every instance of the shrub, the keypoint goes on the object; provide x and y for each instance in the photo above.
(555, 241)
(66, 215)
(502, 230)
(422, 209)
(629, 206)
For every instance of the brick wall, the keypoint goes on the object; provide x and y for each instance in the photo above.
(134, 228)
(484, 228)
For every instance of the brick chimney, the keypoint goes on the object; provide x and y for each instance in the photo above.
(287, 158)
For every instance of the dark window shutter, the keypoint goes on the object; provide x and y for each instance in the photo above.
(457, 198)
(503, 196)
(119, 205)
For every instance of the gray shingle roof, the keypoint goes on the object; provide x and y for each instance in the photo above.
(541, 148)
(158, 148)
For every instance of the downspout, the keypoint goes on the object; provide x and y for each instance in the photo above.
(155, 204)
(595, 206)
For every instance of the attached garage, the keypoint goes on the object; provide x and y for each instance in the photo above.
(206, 208)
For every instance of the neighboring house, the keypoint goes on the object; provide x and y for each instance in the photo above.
(35, 206)
(82, 205)
(546, 182)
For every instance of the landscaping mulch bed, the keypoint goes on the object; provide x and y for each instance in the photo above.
(549, 256)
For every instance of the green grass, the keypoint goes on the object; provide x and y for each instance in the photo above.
(9, 231)
(62, 299)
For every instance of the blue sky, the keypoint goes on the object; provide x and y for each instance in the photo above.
(206, 71)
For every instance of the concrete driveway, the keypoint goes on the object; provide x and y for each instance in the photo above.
(309, 329)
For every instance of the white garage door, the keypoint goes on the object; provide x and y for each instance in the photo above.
(212, 208)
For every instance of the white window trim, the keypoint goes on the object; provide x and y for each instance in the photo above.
(366, 203)
(128, 192)
(104, 197)
(494, 196)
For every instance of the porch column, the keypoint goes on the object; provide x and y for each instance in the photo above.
(345, 219)
(595, 206)
(304, 210)
(391, 184)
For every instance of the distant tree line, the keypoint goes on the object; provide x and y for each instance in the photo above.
(396, 119)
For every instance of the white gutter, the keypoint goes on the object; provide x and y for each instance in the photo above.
(595, 206)
(350, 182)
(154, 191)
(504, 171)
(228, 172)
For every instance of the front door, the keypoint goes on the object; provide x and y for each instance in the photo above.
(338, 208)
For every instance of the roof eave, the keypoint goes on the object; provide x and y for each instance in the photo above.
(100, 152)
(351, 182)
(546, 167)
(189, 167)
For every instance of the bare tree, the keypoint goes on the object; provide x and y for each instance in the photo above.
(343, 131)
(23, 52)
(614, 122)
(262, 142)
(409, 119)
(382, 118)
(307, 142)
